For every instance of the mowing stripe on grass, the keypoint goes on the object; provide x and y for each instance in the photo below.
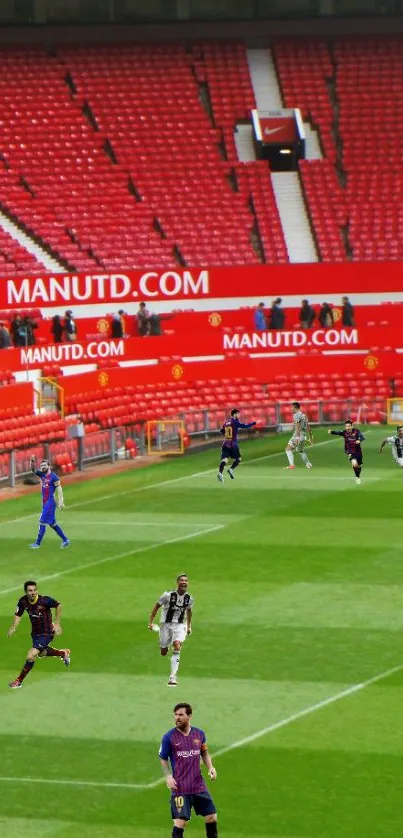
(155, 485)
(118, 556)
(306, 711)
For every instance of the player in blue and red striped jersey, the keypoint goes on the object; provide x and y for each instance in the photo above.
(44, 628)
(230, 447)
(352, 446)
(50, 487)
(180, 753)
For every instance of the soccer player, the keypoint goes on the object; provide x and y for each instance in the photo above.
(230, 448)
(173, 629)
(50, 486)
(301, 435)
(180, 753)
(352, 446)
(39, 611)
(396, 443)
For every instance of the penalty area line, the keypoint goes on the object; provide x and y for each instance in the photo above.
(240, 743)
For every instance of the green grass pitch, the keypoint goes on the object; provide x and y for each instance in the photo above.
(298, 585)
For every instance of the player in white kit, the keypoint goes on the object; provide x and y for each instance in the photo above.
(396, 443)
(301, 435)
(175, 623)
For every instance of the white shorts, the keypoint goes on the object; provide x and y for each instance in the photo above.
(169, 632)
(398, 460)
(298, 444)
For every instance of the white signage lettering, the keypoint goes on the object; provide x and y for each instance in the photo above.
(277, 339)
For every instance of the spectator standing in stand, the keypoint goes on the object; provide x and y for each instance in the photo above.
(143, 320)
(18, 331)
(259, 318)
(118, 325)
(277, 316)
(70, 328)
(5, 340)
(56, 328)
(306, 315)
(30, 326)
(325, 316)
(347, 314)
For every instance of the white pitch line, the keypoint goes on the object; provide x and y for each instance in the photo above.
(189, 525)
(90, 783)
(240, 743)
(118, 556)
(302, 477)
(154, 485)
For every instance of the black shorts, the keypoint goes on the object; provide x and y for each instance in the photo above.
(41, 641)
(228, 451)
(182, 805)
(357, 456)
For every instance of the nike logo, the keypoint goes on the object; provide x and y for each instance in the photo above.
(268, 131)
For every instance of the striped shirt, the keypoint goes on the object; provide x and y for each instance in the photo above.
(174, 606)
(38, 612)
(184, 753)
(397, 445)
(49, 483)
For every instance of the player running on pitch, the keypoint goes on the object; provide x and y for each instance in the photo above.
(180, 753)
(301, 435)
(230, 447)
(176, 605)
(352, 446)
(396, 443)
(51, 486)
(39, 611)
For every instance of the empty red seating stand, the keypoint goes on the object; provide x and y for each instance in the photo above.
(140, 158)
(22, 429)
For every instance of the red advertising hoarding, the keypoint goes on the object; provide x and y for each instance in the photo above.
(186, 285)
(216, 343)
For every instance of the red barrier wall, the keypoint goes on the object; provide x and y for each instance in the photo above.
(17, 395)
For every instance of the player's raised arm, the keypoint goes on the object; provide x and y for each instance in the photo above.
(34, 469)
(245, 424)
(154, 612)
(336, 433)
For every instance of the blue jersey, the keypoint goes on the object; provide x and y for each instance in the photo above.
(184, 752)
(49, 482)
(230, 430)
